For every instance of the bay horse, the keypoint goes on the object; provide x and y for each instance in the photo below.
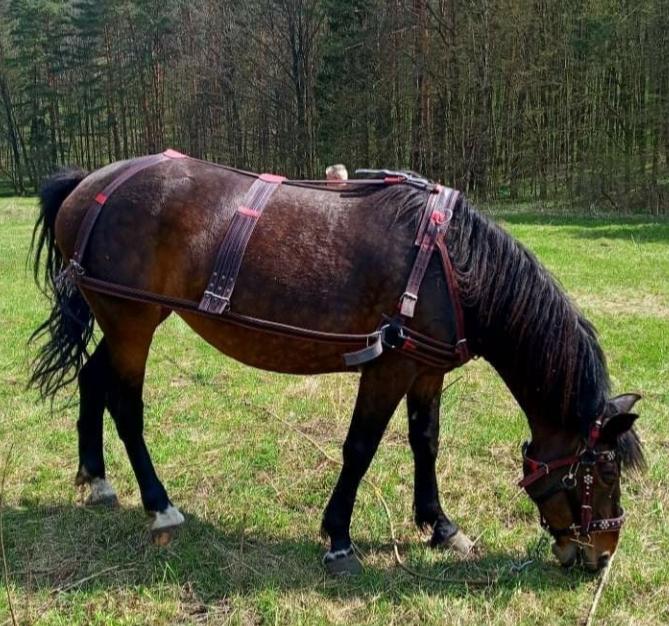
(330, 260)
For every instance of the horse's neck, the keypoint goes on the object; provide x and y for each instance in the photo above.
(540, 401)
(518, 318)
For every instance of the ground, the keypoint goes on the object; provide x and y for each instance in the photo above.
(227, 442)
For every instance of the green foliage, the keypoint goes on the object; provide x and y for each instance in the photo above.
(500, 98)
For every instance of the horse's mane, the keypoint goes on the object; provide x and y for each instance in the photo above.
(555, 349)
(510, 290)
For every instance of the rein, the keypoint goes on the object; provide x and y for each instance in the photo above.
(393, 332)
(581, 466)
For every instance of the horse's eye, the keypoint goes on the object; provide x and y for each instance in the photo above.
(609, 472)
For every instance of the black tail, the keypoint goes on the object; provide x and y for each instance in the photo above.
(63, 337)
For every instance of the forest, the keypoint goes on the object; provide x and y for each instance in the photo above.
(560, 102)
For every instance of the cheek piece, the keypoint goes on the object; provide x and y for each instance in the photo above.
(581, 466)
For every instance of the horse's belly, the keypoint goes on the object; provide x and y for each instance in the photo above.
(268, 351)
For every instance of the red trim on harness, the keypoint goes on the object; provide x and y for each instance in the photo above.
(409, 344)
(101, 199)
(438, 217)
(394, 180)
(272, 178)
(173, 154)
(248, 211)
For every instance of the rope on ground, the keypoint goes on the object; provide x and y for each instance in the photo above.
(477, 582)
(2, 535)
(598, 594)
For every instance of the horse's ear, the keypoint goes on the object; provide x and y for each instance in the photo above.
(624, 402)
(617, 425)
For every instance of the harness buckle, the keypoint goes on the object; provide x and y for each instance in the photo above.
(408, 303)
(214, 303)
(569, 481)
(393, 335)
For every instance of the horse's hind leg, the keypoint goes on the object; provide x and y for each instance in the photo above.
(93, 382)
(423, 402)
(382, 386)
(128, 339)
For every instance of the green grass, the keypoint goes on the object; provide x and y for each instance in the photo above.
(253, 489)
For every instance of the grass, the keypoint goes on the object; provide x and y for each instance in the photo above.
(253, 489)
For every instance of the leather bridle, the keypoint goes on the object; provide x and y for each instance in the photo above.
(581, 466)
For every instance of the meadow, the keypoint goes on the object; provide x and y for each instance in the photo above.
(241, 453)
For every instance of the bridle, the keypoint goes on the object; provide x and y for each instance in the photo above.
(581, 466)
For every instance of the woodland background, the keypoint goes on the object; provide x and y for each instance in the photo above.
(562, 102)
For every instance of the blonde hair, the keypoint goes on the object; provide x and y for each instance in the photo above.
(336, 172)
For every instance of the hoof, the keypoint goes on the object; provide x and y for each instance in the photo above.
(342, 563)
(165, 525)
(460, 543)
(102, 494)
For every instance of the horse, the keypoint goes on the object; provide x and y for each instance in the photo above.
(328, 259)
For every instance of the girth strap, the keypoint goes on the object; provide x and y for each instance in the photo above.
(216, 298)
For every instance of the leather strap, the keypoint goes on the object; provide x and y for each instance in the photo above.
(216, 298)
(540, 469)
(436, 217)
(94, 209)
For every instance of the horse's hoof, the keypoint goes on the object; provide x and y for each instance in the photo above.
(165, 525)
(460, 543)
(102, 494)
(342, 563)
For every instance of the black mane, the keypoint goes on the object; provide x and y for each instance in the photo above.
(554, 349)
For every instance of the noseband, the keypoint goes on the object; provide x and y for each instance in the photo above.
(581, 467)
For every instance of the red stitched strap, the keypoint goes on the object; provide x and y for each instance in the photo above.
(436, 217)
(94, 210)
(539, 469)
(216, 298)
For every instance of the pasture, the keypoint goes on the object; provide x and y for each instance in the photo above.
(241, 453)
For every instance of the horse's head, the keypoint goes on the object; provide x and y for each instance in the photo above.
(576, 485)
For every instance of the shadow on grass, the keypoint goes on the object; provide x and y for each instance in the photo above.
(68, 549)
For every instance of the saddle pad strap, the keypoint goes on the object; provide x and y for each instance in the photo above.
(436, 217)
(216, 298)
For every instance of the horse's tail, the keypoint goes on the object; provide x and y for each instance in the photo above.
(64, 335)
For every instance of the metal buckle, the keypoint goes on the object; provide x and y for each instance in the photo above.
(398, 338)
(569, 481)
(222, 305)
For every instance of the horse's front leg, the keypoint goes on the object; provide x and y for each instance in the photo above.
(382, 386)
(423, 402)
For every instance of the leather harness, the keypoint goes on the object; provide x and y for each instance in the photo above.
(392, 333)
(582, 462)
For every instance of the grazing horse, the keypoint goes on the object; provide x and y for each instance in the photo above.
(333, 261)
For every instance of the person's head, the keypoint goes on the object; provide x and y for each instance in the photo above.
(336, 172)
